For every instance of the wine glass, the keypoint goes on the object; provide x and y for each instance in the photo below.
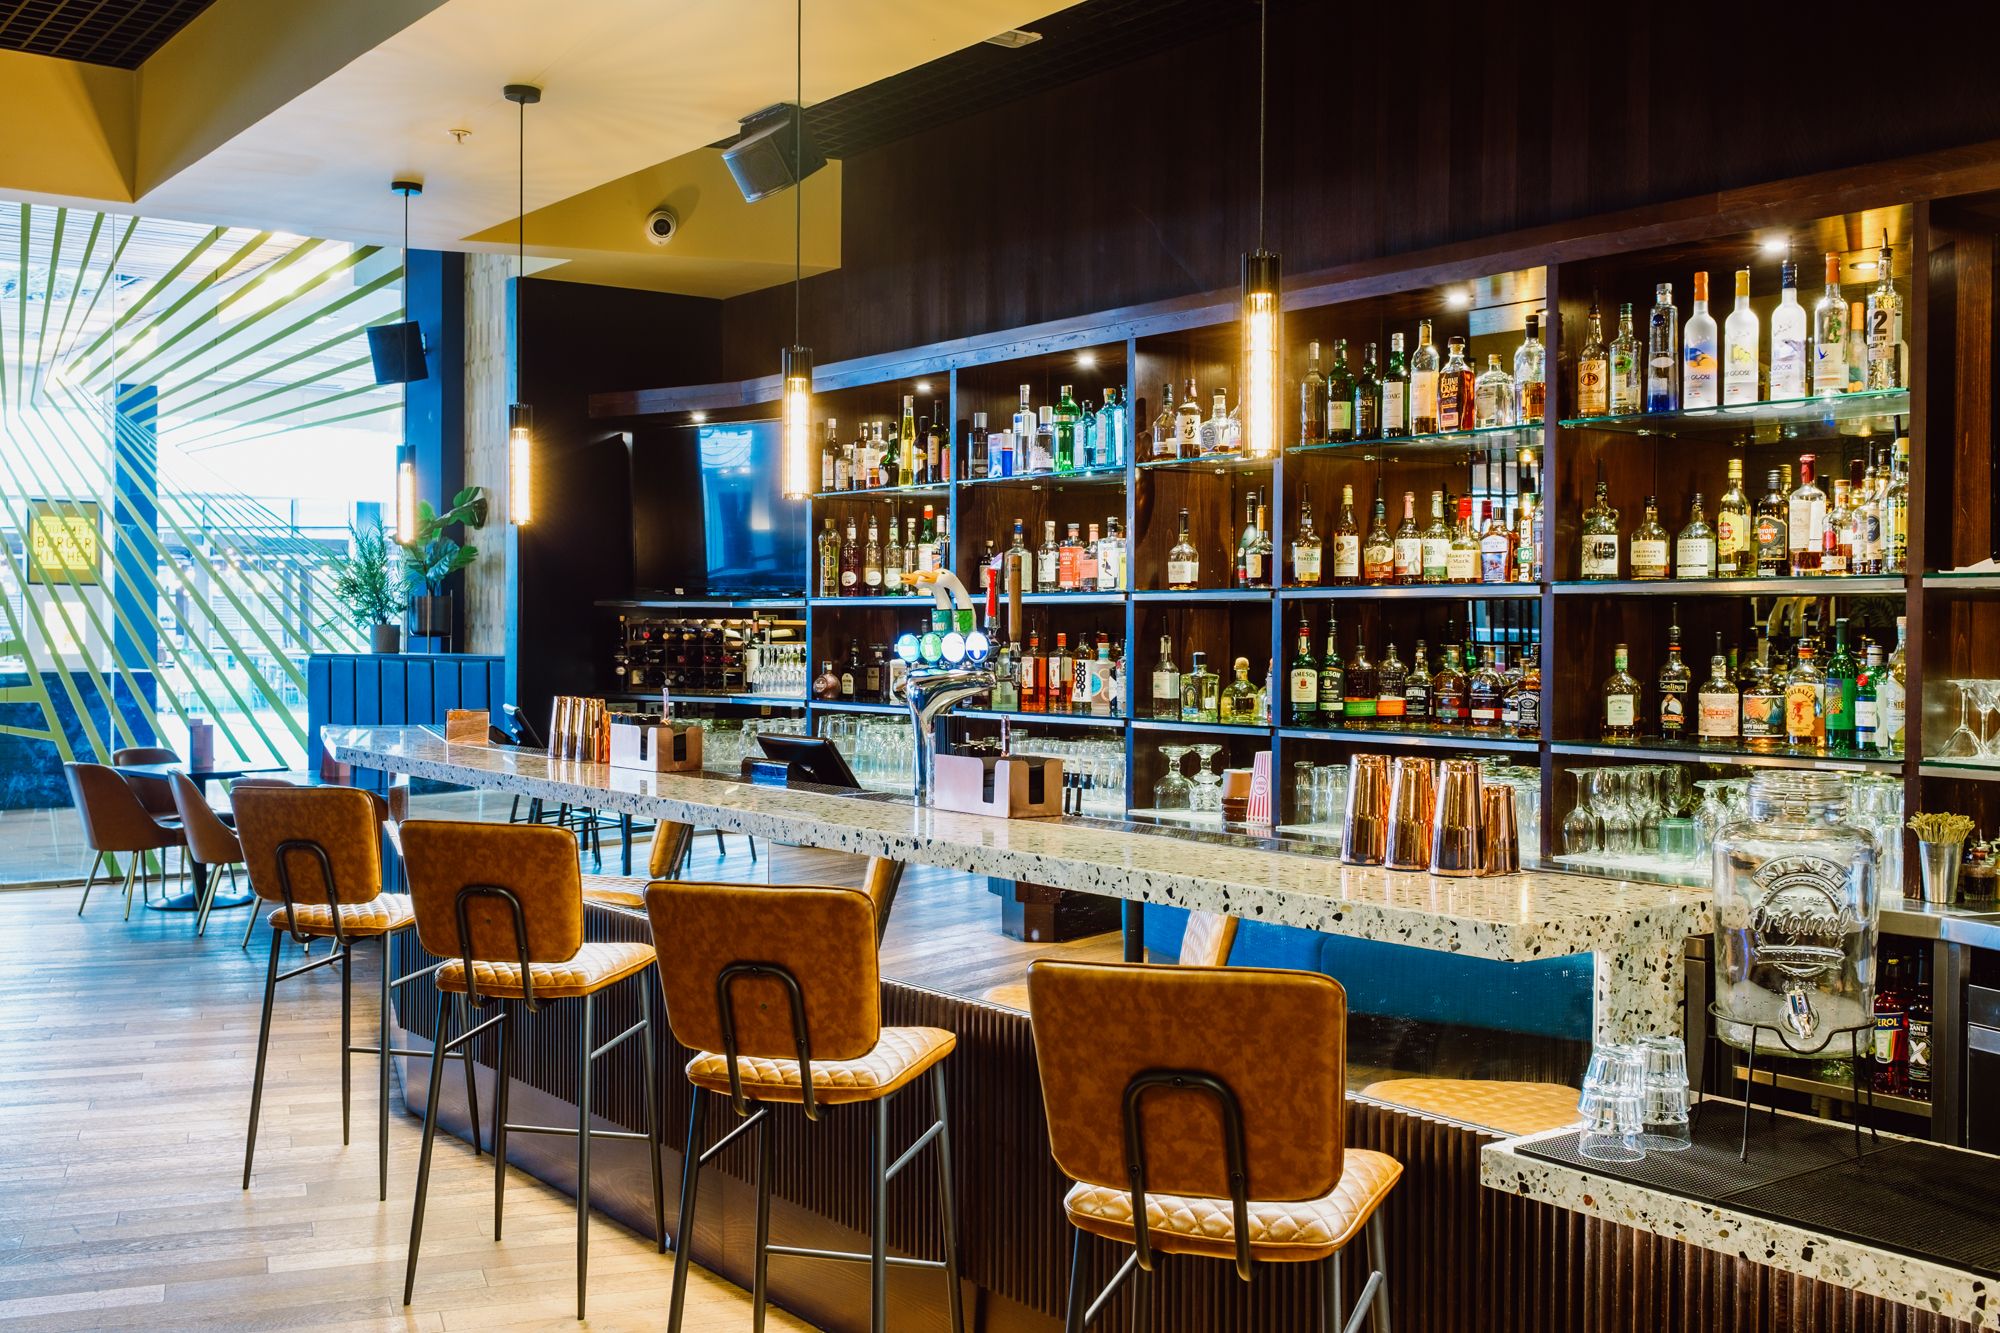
(1173, 791)
(1712, 813)
(1986, 694)
(1208, 784)
(1614, 812)
(1961, 744)
(1581, 835)
(1674, 789)
(1643, 791)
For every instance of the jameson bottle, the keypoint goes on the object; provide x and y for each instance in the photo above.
(1302, 680)
(1332, 706)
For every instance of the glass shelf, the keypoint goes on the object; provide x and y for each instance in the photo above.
(1848, 585)
(1436, 738)
(698, 697)
(1781, 419)
(1216, 463)
(1652, 748)
(925, 492)
(1981, 769)
(1053, 719)
(841, 706)
(1070, 599)
(1450, 441)
(888, 602)
(1225, 728)
(1084, 476)
(1204, 595)
(1417, 591)
(1972, 580)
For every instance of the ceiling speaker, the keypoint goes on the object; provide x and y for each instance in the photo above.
(762, 158)
(397, 351)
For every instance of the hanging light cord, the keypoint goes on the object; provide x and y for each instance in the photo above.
(798, 160)
(520, 241)
(1263, 22)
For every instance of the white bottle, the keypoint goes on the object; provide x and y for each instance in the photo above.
(1740, 342)
(1699, 364)
(1788, 338)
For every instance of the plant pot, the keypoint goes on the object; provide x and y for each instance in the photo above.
(430, 617)
(385, 639)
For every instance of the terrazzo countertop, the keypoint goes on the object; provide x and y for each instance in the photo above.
(1635, 932)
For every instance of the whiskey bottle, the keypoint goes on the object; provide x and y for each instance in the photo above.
(1378, 555)
(1716, 706)
(1772, 531)
(1215, 430)
(1435, 563)
(1695, 549)
(1492, 396)
(1261, 561)
(1805, 722)
(1409, 548)
(1484, 692)
(1306, 546)
(1495, 545)
(1359, 685)
(1649, 544)
(1740, 340)
(1600, 539)
(1368, 397)
(1806, 511)
(1675, 684)
(1332, 680)
(1312, 400)
(1789, 356)
(1187, 425)
(1424, 383)
(1201, 692)
(1829, 344)
(1462, 557)
(1527, 694)
(1240, 702)
(1455, 390)
(1302, 680)
(1734, 554)
(1530, 375)
(1593, 370)
(1450, 701)
(1628, 367)
(1700, 365)
(1885, 328)
(1663, 354)
(1417, 689)
(1510, 699)
(1390, 701)
(1166, 682)
(1395, 391)
(1346, 542)
(1183, 561)
(1621, 700)
(1166, 426)
(1339, 396)
(1837, 541)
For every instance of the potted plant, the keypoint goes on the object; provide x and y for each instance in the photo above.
(367, 584)
(432, 556)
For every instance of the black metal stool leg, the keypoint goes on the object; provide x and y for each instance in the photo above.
(583, 1157)
(500, 1090)
(471, 1081)
(625, 844)
(346, 1042)
(1330, 1297)
(1079, 1299)
(438, 1057)
(684, 1232)
(878, 1248)
(1142, 1296)
(263, 1052)
(645, 981)
(947, 1201)
(767, 1161)
(382, 1078)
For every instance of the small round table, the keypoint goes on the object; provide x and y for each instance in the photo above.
(200, 777)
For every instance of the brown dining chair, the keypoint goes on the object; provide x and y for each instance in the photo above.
(212, 845)
(1209, 938)
(315, 853)
(239, 784)
(1209, 1120)
(778, 991)
(503, 905)
(115, 821)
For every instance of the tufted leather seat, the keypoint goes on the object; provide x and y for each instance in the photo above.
(1295, 1232)
(1207, 942)
(901, 1055)
(380, 915)
(626, 891)
(1510, 1108)
(593, 967)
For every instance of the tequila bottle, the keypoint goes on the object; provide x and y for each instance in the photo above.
(1593, 370)
(1306, 546)
(1339, 396)
(1649, 544)
(1700, 365)
(1530, 375)
(1312, 400)
(1395, 391)
(1626, 389)
(1201, 691)
(1885, 328)
(1695, 547)
(1435, 566)
(1740, 339)
(1183, 561)
(1240, 702)
(1600, 534)
(1424, 383)
(1455, 389)
(1789, 354)
(1663, 352)
(1675, 684)
(1346, 542)
(1621, 700)
(1493, 396)
(1829, 342)
(1734, 553)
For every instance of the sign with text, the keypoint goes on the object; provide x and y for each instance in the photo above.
(63, 541)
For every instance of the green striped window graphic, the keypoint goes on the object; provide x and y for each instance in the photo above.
(188, 428)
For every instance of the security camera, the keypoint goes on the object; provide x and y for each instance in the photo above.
(661, 224)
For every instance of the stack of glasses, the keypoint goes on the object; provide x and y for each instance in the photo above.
(1635, 1100)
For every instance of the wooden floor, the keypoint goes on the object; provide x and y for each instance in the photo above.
(126, 1056)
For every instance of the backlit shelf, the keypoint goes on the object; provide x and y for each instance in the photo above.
(1765, 422)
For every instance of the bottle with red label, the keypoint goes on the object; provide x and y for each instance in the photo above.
(1891, 1038)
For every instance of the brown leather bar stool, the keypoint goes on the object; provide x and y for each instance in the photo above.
(1209, 1120)
(115, 821)
(1209, 938)
(250, 926)
(503, 903)
(1508, 1107)
(212, 845)
(665, 856)
(778, 991)
(316, 852)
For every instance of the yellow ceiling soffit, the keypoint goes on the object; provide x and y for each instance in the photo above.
(723, 247)
(73, 130)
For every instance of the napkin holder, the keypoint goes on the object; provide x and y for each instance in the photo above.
(655, 749)
(1004, 786)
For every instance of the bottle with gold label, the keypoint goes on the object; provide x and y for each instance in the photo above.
(1240, 702)
(1593, 370)
(1734, 552)
(1621, 700)
(1805, 724)
(1201, 691)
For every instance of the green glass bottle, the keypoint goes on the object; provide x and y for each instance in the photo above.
(1368, 397)
(1339, 395)
(1304, 680)
(1065, 416)
(1841, 685)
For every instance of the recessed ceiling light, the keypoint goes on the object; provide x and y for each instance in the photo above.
(1865, 266)
(1458, 300)
(1014, 39)
(923, 386)
(698, 417)
(1086, 359)
(1775, 245)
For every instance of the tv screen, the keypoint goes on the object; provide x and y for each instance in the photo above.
(754, 540)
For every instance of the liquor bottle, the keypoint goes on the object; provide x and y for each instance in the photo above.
(1183, 561)
(826, 685)
(1260, 557)
(1339, 396)
(1839, 691)
(1805, 720)
(1086, 435)
(1302, 680)
(1593, 370)
(1019, 458)
(871, 561)
(1484, 690)
(1734, 553)
(1088, 558)
(1307, 546)
(1806, 513)
(1215, 430)
(1837, 539)
(1018, 552)
(1495, 545)
(1368, 397)
(1048, 560)
(1166, 682)
(1510, 696)
(1166, 427)
(1716, 706)
(1359, 687)
(1450, 700)
(1530, 375)
(975, 447)
(1201, 692)
(1312, 400)
(1772, 530)
(829, 454)
(1862, 536)
(1187, 425)
(1527, 559)
(1462, 557)
(1069, 553)
(1332, 680)
(1865, 713)
(1378, 553)
(1395, 391)
(1408, 561)
(1829, 345)
(1493, 396)
(1526, 694)
(1044, 453)
(929, 542)
(1112, 575)
(1885, 328)
(1789, 356)
(1061, 667)
(1245, 542)
(1891, 698)
(1116, 431)
(1065, 418)
(1417, 689)
(1454, 390)
(1346, 542)
(1740, 338)
(1621, 700)
(1676, 682)
(1896, 509)
(1857, 347)
(1891, 1019)
(829, 562)
(906, 443)
(1649, 544)
(892, 562)
(937, 447)
(850, 673)
(1695, 549)
(1424, 383)
(1699, 362)
(1435, 564)
(1917, 1034)
(1663, 352)
(1600, 539)
(1763, 695)
(873, 678)
(1240, 702)
(1626, 387)
(1390, 701)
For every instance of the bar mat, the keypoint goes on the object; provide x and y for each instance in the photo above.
(1917, 1199)
(1709, 1170)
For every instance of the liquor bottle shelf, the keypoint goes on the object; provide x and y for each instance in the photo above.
(700, 603)
(1415, 592)
(1830, 585)
(925, 491)
(1072, 598)
(711, 697)
(840, 706)
(1223, 728)
(1450, 441)
(1203, 595)
(1837, 1090)
(1964, 770)
(890, 602)
(1110, 474)
(1971, 581)
(1789, 418)
(1217, 463)
(1653, 748)
(1054, 719)
(1432, 738)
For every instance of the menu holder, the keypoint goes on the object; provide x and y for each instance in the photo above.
(655, 749)
(1006, 787)
(466, 726)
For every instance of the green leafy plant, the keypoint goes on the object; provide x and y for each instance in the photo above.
(433, 556)
(366, 580)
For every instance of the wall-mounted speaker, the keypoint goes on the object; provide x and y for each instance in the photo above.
(397, 351)
(762, 158)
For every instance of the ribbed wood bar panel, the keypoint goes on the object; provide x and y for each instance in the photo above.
(1462, 1257)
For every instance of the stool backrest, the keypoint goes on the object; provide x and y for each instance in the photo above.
(114, 818)
(153, 793)
(485, 865)
(1276, 1041)
(823, 938)
(1209, 938)
(210, 841)
(294, 838)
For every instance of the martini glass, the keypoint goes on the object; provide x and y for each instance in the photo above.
(1173, 791)
(1208, 784)
(1961, 744)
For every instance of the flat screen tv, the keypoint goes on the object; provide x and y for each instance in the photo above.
(751, 542)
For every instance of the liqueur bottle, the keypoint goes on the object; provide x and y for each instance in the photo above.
(1734, 553)
(1772, 530)
(1395, 391)
(1676, 681)
(1663, 352)
(1621, 700)
(1763, 697)
(1424, 383)
(1339, 396)
(1807, 514)
(1378, 554)
(828, 582)
(1649, 544)
(1530, 375)
(1408, 561)
(1346, 542)
(871, 560)
(1495, 545)
(1435, 564)
(1240, 702)
(1628, 367)
(1716, 706)
(1600, 540)
(1166, 682)
(1312, 400)
(1450, 700)
(1462, 558)
(1332, 680)
(1700, 364)
(1455, 389)
(1493, 396)
(1805, 723)
(827, 685)
(1695, 547)
(1306, 546)
(850, 564)
(1302, 680)
(1390, 701)
(1183, 561)
(1789, 351)
(1829, 344)
(1740, 340)
(1593, 370)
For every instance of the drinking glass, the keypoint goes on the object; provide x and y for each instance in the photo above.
(1613, 1105)
(1664, 1061)
(1641, 794)
(1173, 791)
(1986, 694)
(1961, 744)
(1208, 784)
(1301, 807)
(1329, 795)
(1674, 789)
(1711, 813)
(1614, 814)
(1581, 834)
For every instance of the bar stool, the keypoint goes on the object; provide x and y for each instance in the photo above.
(212, 845)
(115, 820)
(1509, 1107)
(503, 903)
(778, 992)
(317, 853)
(665, 856)
(1209, 938)
(1209, 1119)
(250, 926)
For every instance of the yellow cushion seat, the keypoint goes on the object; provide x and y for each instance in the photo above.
(380, 915)
(624, 891)
(1511, 1108)
(900, 1055)
(594, 967)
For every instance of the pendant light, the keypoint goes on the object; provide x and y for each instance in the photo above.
(520, 417)
(406, 453)
(796, 361)
(1261, 337)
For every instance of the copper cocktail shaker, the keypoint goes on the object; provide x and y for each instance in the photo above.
(1455, 834)
(1365, 832)
(1412, 798)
